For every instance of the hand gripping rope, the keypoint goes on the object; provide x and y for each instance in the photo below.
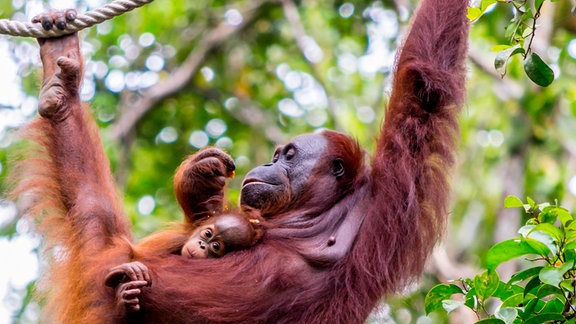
(88, 19)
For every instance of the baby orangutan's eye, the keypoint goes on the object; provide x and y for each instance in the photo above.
(208, 233)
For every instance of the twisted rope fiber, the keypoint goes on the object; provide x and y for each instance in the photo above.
(88, 19)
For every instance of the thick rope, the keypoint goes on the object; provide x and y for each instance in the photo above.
(88, 19)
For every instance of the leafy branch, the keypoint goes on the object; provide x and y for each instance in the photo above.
(520, 34)
(538, 294)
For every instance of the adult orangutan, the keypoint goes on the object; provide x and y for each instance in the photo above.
(342, 231)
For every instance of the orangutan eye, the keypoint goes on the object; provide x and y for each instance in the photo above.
(276, 155)
(338, 168)
(216, 246)
(290, 152)
(208, 233)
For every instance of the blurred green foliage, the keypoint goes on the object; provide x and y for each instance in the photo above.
(329, 66)
(542, 293)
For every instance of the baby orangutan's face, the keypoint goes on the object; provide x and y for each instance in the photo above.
(219, 235)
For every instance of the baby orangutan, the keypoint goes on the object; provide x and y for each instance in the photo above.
(212, 237)
(219, 235)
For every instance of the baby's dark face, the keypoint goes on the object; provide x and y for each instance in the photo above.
(219, 235)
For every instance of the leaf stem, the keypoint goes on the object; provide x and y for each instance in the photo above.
(533, 33)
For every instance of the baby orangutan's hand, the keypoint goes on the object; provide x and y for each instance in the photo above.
(128, 279)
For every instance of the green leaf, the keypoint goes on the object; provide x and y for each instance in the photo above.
(541, 242)
(547, 290)
(471, 298)
(525, 274)
(486, 284)
(570, 243)
(526, 15)
(507, 314)
(554, 306)
(527, 32)
(513, 301)
(500, 65)
(542, 318)
(487, 3)
(553, 275)
(491, 321)
(532, 284)
(548, 215)
(513, 202)
(508, 250)
(538, 3)
(474, 13)
(505, 290)
(567, 285)
(531, 202)
(570, 224)
(438, 294)
(449, 305)
(550, 230)
(512, 28)
(564, 215)
(570, 254)
(532, 306)
(499, 48)
(538, 71)
(540, 248)
(543, 206)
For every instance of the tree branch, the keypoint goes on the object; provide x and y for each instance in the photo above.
(302, 40)
(134, 108)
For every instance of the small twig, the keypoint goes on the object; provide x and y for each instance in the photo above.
(539, 259)
(533, 33)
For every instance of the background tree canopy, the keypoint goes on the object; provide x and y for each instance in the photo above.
(174, 76)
